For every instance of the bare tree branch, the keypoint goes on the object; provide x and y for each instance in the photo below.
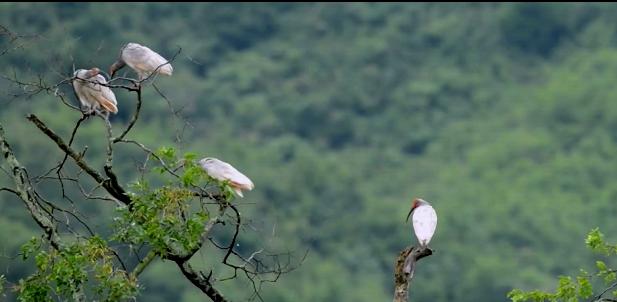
(26, 192)
(600, 298)
(200, 281)
(402, 278)
(110, 184)
(10, 190)
(133, 119)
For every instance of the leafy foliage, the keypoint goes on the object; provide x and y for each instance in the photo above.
(64, 272)
(569, 290)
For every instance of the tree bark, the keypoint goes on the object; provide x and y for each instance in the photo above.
(402, 277)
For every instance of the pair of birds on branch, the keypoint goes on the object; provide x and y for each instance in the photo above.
(93, 93)
(87, 82)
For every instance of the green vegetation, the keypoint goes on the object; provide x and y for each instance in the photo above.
(568, 290)
(503, 116)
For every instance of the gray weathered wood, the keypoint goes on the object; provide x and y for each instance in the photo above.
(402, 279)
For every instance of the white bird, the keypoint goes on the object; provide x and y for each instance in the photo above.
(141, 59)
(424, 220)
(221, 170)
(91, 95)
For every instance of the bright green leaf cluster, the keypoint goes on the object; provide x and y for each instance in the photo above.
(595, 241)
(167, 154)
(518, 295)
(585, 290)
(161, 218)
(28, 248)
(66, 272)
(605, 273)
(568, 290)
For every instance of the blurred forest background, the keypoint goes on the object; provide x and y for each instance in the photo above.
(504, 116)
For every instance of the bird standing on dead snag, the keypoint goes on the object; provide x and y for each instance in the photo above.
(424, 220)
(141, 59)
(424, 223)
(223, 171)
(93, 96)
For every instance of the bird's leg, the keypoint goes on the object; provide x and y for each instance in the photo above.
(88, 111)
(99, 113)
(138, 83)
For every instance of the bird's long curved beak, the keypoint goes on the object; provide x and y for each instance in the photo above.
(115, 67)
(411, 210)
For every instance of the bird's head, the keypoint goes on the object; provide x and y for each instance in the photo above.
(94, 71)
(86, 74)
(78, 71)
(119, 64)
(205, 160)
(414, 204)
(208, 162)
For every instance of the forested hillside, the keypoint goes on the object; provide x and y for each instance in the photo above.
(504, 116)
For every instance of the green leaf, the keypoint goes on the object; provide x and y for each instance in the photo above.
(190, 156)
(566, 289)
(585, 289)
(601, 266)
(191, 176)
(595, 240)
(29, 247)
(516, 295)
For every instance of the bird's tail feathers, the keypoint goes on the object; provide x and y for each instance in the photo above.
(239, 192)
(109, 106)
(166, 69)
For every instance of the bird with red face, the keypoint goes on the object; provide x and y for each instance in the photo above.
(424, 220)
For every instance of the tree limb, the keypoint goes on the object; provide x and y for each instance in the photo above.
(133, 118)
(402, 278)
(600, 298)
(110, 184)
(202, 282)
(26, 192)
(144, 263)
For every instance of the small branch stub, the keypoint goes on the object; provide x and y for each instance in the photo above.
(402, 277)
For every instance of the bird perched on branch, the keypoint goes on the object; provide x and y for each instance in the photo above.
(424, 223)
(424, 220)
(93, 96)
(221, 170)
(141, 59)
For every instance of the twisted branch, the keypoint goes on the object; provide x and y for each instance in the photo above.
(25, 191)
(402, 276)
